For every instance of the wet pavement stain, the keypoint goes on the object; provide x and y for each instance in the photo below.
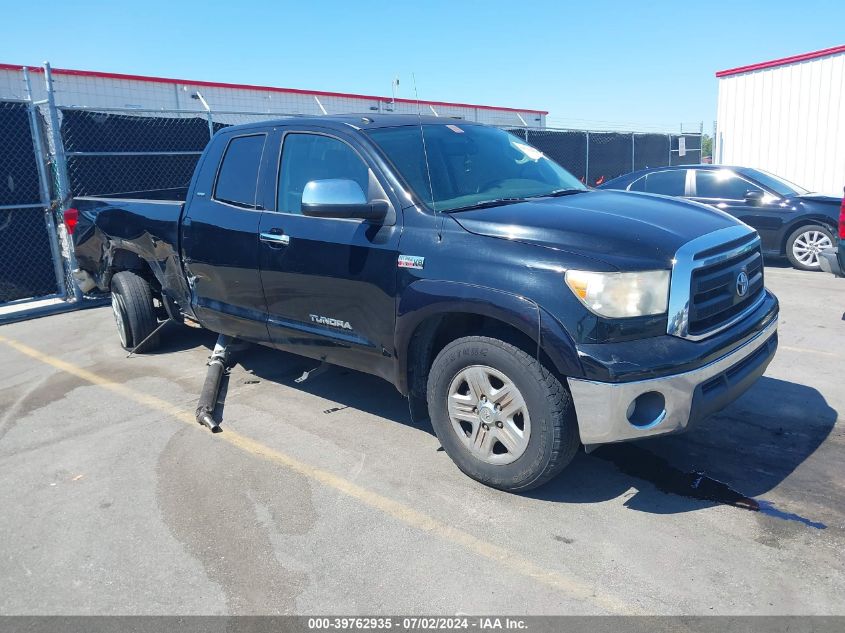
(232, 512)
(643, 464)
(767, 508)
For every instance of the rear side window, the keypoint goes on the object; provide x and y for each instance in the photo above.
(237, 180)
(721, 183)
(667, 183)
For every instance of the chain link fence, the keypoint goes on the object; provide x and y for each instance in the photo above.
(30, 262)
(51, 151)
(596, 157)
(118, 151)
(113, 151)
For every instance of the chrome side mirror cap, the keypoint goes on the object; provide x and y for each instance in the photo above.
(340, 198)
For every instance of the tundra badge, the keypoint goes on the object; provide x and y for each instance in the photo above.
(329, 321)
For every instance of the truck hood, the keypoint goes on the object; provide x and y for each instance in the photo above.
(626, 230)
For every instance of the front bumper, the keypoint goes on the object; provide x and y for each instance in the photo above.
(614, 412)
(829, 262)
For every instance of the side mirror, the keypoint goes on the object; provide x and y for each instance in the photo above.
(754, 198)
(340, 198)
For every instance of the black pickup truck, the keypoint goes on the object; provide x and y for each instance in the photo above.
(529, 313)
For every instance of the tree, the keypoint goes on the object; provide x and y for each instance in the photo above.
(706, 146)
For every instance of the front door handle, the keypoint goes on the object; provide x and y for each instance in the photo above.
(278, 239)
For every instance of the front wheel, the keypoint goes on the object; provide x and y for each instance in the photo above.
(503, 418)
(805, 244)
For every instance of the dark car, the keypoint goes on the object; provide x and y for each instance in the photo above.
(791, 221)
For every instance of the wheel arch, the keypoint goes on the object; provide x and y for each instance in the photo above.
(806, 220)
(433, 313)
(121, 259)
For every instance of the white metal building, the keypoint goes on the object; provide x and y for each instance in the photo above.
(786, 116)
(112, 90)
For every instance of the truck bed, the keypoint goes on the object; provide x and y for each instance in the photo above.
(173, 194)
(113, 231)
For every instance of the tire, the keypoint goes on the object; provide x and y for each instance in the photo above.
(804, 244)
(530, 458)
(134, 312)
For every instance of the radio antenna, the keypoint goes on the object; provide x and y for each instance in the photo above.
(425, 156)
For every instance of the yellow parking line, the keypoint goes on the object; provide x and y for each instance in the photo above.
(571, 586)
(805, 350)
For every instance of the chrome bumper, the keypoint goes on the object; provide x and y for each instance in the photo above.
(613, 412)
(829, 262)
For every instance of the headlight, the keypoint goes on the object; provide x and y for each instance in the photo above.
(620, 295)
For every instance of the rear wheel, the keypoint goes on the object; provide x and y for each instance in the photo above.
(134, 312)
(805, 244)
(502, 417)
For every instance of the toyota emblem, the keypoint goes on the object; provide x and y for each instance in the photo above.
(742, 283)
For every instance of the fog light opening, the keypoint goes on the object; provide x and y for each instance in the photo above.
(647, 410)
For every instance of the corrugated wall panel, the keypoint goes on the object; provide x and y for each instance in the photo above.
(789, 120)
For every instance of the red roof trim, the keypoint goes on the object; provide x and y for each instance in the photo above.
(215, 84)
(782, 61)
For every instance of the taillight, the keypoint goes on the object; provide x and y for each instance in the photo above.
(842, 220)
(71, 220)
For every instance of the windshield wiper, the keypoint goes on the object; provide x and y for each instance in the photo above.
(557, 193)
(498, 202)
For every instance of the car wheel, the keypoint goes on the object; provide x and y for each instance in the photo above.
(503, 418)
(134, 312)
(805, 244)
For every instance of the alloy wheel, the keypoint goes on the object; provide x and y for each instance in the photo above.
(808, 245)
(489, 414)
(119, 319)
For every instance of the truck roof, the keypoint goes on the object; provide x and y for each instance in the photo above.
(368, 120)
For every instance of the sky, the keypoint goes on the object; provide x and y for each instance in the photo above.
(632, 65)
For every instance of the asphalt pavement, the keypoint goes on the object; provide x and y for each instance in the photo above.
(324, 498)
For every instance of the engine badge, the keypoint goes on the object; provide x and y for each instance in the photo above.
(411, 261)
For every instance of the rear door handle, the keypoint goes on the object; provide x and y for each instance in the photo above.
(279, 239)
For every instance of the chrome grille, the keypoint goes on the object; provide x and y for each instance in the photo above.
(713, 290)
(703, 296)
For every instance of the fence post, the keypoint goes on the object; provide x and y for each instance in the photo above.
(198, 95)
(62, 180)
(633, 154)
(713, 145)
(44, 187)
(587, 161)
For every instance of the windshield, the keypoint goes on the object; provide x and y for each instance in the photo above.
(470, 165)
(782, 187)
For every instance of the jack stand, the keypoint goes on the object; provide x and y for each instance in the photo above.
(211, 387)
(313, 373)
(151, 334)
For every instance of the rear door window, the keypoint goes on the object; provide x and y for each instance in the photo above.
(237, 180)
(637, 185)
(668, 183)
(721, 184)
